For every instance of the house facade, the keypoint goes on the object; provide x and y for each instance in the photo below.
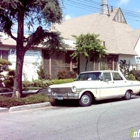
(122, 42)
(52, 63)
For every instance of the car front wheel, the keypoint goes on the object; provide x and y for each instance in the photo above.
(86, 99)
(127, 95)
(55, 102)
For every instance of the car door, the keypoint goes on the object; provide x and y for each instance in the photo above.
(107, 87)
(120, 84)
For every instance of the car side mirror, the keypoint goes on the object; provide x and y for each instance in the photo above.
(101, 78)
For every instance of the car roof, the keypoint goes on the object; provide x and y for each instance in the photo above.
(99, 71)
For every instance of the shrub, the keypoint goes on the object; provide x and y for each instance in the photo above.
(61, 81)
(41, 72)
(43, 83)
(11, 73)
(9, 82)
(131, 77)
(26, 83)
(31, 99)
(124, 67)
(66, 74)
(9, 79)
(136, 74)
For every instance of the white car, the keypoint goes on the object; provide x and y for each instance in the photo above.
(94, 85)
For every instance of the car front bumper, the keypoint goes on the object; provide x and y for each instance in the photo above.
(63, 96)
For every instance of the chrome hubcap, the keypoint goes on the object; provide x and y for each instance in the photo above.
(128, 95)
(85, 99)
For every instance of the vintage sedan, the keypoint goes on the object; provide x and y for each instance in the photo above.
(94, 85)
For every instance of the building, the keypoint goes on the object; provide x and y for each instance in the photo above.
(122, 42)
(53, 63)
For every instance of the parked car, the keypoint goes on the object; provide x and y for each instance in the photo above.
(94, 85)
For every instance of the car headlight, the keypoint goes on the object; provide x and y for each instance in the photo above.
(49, 89)
(74, 89)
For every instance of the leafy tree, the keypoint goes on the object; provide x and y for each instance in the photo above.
(43, 13)
(88, 45)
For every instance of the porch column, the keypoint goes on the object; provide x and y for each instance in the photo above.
(71, 68)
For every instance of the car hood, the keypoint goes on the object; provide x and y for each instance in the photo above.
(77, 84)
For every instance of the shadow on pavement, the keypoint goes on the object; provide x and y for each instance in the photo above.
(74, 103)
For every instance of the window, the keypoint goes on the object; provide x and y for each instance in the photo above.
(116, 76)
(91, 76)
(4, 54)
(107, 76)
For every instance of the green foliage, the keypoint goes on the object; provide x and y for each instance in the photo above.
(41, 73)
(11, 73)
(9, 82)
(136, 74)
(9, 79)
(31, 99)
(66, 74)
(104, 66)
(124, 67)
(44, 83)
(5, 62)
(88, 45)
(131, 77)
(62, 81)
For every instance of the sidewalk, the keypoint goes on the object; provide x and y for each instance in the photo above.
(23, 107)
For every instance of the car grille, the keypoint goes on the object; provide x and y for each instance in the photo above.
(61, 90)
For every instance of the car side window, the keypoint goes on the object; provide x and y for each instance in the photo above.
(106, 76)
(116, 76)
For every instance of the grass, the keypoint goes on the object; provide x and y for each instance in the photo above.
(8, 102)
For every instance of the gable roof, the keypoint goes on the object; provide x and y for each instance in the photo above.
(118, 35)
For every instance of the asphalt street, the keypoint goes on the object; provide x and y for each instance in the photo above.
(106, 120)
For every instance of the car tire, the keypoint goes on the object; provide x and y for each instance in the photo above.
(54, 102)
(86, 99)
(127, 95)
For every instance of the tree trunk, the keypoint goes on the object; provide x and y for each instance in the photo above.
(86, 63)
(17, 90)
(20, 52)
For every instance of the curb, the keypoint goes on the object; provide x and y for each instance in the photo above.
(28, 107)
(25, 107)
(3, 109)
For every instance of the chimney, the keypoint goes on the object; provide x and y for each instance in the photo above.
(104, 7)
(111, 8)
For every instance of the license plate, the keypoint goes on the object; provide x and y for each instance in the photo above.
(60, 98)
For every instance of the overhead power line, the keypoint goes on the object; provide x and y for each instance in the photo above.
(94, 6)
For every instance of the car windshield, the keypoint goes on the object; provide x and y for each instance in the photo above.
(89, 76)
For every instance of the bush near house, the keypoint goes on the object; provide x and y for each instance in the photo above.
(37, 84)
(66, 74)
(136, 74)
(31, 99)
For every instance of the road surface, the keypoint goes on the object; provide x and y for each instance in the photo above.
(108, 120)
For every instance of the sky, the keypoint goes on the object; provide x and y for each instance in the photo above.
(130, 8)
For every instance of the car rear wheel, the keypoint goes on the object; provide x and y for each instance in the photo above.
(127, 95)
(86, 99)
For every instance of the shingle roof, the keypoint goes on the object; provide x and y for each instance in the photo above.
(119, 38)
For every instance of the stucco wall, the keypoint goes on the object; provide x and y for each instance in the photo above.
(32, 60)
